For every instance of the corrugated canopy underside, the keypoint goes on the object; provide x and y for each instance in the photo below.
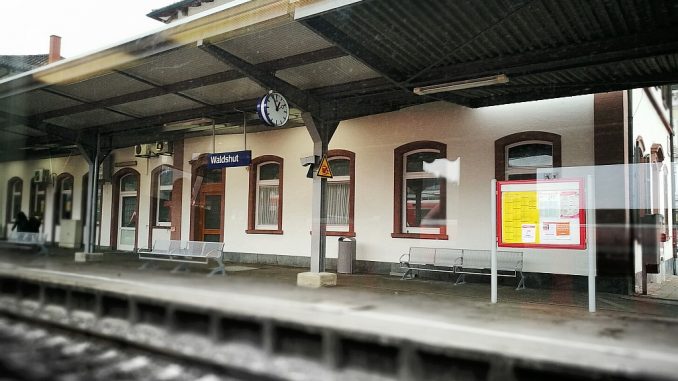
(367, 57)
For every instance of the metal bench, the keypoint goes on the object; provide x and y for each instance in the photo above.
(185, 252)
(478, 262)
(441, 260)
(28, 239)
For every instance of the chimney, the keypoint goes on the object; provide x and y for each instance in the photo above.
(54, 49)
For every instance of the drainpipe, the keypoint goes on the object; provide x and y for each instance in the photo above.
(633, 215)
(673, 187)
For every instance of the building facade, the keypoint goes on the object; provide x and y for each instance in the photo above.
(380, 195)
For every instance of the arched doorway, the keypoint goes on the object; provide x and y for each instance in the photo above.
(63, 203)
(207, 201)
(125, 210)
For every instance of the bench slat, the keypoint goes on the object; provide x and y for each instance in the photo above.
(447, 257)
(422, 255)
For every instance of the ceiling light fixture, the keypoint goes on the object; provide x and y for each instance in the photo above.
(462, 85)
(183, 124)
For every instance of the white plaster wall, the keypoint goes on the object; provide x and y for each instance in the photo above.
(468, 133)
(648, 125)
(290, 144)
(75, 165)
(144, 167)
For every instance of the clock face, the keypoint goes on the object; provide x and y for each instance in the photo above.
(274, 110)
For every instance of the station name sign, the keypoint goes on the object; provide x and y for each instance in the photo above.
(229, 159)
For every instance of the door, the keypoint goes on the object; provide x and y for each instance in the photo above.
(210, 216)
(127, 212)
(209, 207)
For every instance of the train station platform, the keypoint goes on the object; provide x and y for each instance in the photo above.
(373, 323)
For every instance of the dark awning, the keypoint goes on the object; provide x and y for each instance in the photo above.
(547, 48)
(362, 58)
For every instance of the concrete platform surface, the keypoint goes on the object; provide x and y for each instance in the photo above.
(634, 336)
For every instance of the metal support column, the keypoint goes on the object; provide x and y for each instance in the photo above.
(94, 157)
(321, 132)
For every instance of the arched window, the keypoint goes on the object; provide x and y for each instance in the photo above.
(38, 197)
(340, 193)
(419, 196)
(265, 195)
(125, 209)
(63, 198)
(520, 156)
(161, 196)
(14, 191)
(524, 158)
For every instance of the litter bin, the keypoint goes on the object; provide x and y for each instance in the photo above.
(346, 255)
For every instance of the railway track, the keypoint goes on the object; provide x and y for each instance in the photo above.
(37, 352)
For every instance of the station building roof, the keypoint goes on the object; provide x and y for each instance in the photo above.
(337, 59)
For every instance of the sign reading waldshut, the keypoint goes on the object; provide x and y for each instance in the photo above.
(229, 159)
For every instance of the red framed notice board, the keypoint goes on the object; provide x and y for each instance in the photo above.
(541, 214)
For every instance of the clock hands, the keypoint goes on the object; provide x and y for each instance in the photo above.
(277, 105)
(277, 117)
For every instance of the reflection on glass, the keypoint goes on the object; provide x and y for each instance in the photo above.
(66, 203)
(166, 177)
(212, 176)
(531, 155)
(129, 208)
(128, 184)
(423, 202)
(164, 197)
(212, 218)
(340, 167)
(211, 238)
(269, 171)
(415, 161)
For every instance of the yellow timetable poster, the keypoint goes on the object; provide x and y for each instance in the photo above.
(520, 217)
(541, 214)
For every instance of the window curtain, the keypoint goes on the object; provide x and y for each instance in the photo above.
(337, 203)
(267, 212)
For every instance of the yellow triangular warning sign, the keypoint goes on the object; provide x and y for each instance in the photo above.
(324, 169)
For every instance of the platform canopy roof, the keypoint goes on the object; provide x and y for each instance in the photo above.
(338, 60)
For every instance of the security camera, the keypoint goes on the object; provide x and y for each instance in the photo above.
(309, 160)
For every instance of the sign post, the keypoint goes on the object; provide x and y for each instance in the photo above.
(493, 252)
(544, 214)
(591, 241)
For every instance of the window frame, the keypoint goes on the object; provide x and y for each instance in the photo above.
(116, 183)
(59, 193)
(501, 145)
(340, 230)
(400, 198)
(37, 189)
(519, 170)
(252, 202)
(156, 188)
(11, 184)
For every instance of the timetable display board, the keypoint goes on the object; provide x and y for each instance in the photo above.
(541, 214)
